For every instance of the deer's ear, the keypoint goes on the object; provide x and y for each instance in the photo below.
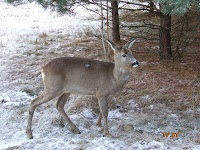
(129, 44)
(112, 45)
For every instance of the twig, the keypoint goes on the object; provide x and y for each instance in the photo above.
(102, 34)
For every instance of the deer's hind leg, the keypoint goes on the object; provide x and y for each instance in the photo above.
(99, 119)
(60, 107)
(34, 104)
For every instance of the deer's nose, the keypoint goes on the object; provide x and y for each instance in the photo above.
(135, 64)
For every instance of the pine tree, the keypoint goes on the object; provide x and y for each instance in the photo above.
(169, 8)
(174, 7)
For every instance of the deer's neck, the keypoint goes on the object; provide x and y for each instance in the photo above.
(121, 75)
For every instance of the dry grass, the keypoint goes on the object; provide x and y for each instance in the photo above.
(168, 82)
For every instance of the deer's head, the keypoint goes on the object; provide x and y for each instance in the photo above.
(123, 55)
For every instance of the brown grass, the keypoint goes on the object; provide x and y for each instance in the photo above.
(174, 82)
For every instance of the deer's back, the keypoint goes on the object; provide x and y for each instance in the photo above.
(79, 74)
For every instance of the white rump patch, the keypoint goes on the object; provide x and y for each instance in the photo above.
(43, 75)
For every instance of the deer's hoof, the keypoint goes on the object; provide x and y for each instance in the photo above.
(98, 124)
(76, 131)
(108, 135)
(30, 136)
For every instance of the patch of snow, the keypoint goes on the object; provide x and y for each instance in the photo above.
(132, 104)
(14, 99)
(115, 114)
(192, 110)
(146, 97)
(151, 106)
(88, 113)
(149, 145)
(197, 147)
(27, 21)
(4, 98)
(174, 115)
(80, 11)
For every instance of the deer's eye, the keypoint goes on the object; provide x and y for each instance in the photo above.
(124, 55)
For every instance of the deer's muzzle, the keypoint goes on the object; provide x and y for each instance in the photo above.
(135, 64)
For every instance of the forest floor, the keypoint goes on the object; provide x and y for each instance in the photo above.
(159, 107)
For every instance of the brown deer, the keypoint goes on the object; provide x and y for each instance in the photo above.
(72, 75)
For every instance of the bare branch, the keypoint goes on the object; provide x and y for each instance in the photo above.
(102, 33)
(137, 4)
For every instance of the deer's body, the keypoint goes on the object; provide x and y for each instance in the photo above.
(72, 75)
(86, 76)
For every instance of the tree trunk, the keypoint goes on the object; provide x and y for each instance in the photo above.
(165, 36)
(115, 21)
(151, 6)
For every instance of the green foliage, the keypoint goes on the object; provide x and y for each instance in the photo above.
(174, 7)
(13, 1)
(17, 2)
(62, 6)
(44, 3)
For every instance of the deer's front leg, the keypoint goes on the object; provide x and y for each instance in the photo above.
(103, 103)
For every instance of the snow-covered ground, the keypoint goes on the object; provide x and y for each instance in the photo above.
(27, 32)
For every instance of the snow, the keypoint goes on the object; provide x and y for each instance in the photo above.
(19, 30)
(28, 20)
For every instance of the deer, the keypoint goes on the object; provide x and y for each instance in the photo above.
(75, 75)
